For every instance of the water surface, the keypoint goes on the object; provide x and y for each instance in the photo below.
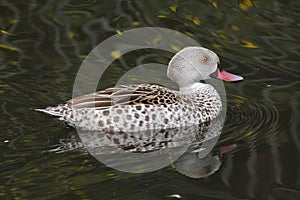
(43, 44)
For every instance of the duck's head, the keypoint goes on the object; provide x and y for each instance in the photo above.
(192, 64)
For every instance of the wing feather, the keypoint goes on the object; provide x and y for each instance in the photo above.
(126, 95)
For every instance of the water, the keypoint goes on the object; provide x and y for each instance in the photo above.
(43, 44)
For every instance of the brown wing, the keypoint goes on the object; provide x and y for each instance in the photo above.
(126, 95)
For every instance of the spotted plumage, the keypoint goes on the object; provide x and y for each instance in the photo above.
(140, 107)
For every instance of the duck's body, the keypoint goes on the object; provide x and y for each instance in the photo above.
(136, 108)
(140, 107)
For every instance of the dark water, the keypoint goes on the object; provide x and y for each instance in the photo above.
(43, 44)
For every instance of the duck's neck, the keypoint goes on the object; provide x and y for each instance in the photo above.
(192, 86)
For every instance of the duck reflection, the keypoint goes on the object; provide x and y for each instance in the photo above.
(188, 149)
(197, 163)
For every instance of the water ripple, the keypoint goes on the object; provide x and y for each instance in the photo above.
(250, 118)
(57, 32)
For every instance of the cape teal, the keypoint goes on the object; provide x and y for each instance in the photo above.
(133, 108)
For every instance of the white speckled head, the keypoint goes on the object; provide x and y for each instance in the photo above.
(192, 64)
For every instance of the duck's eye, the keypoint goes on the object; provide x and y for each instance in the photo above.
(204, 59)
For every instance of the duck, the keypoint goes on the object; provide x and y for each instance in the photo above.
(140, 107)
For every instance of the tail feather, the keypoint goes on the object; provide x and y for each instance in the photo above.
(58, 111)
(50, 112)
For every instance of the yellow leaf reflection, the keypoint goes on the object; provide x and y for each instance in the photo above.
(116, 54)
(176, 48)
(249, 44)
(213, 3)
(249, 133)
(119, 32)
(196, 21)
(3, 46)
(136, 23)
(245, 5)
(173, 8)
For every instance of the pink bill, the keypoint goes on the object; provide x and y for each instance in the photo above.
(226, 76)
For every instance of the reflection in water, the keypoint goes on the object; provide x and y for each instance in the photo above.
(195, 164)
(150, 150)
(191, 165)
